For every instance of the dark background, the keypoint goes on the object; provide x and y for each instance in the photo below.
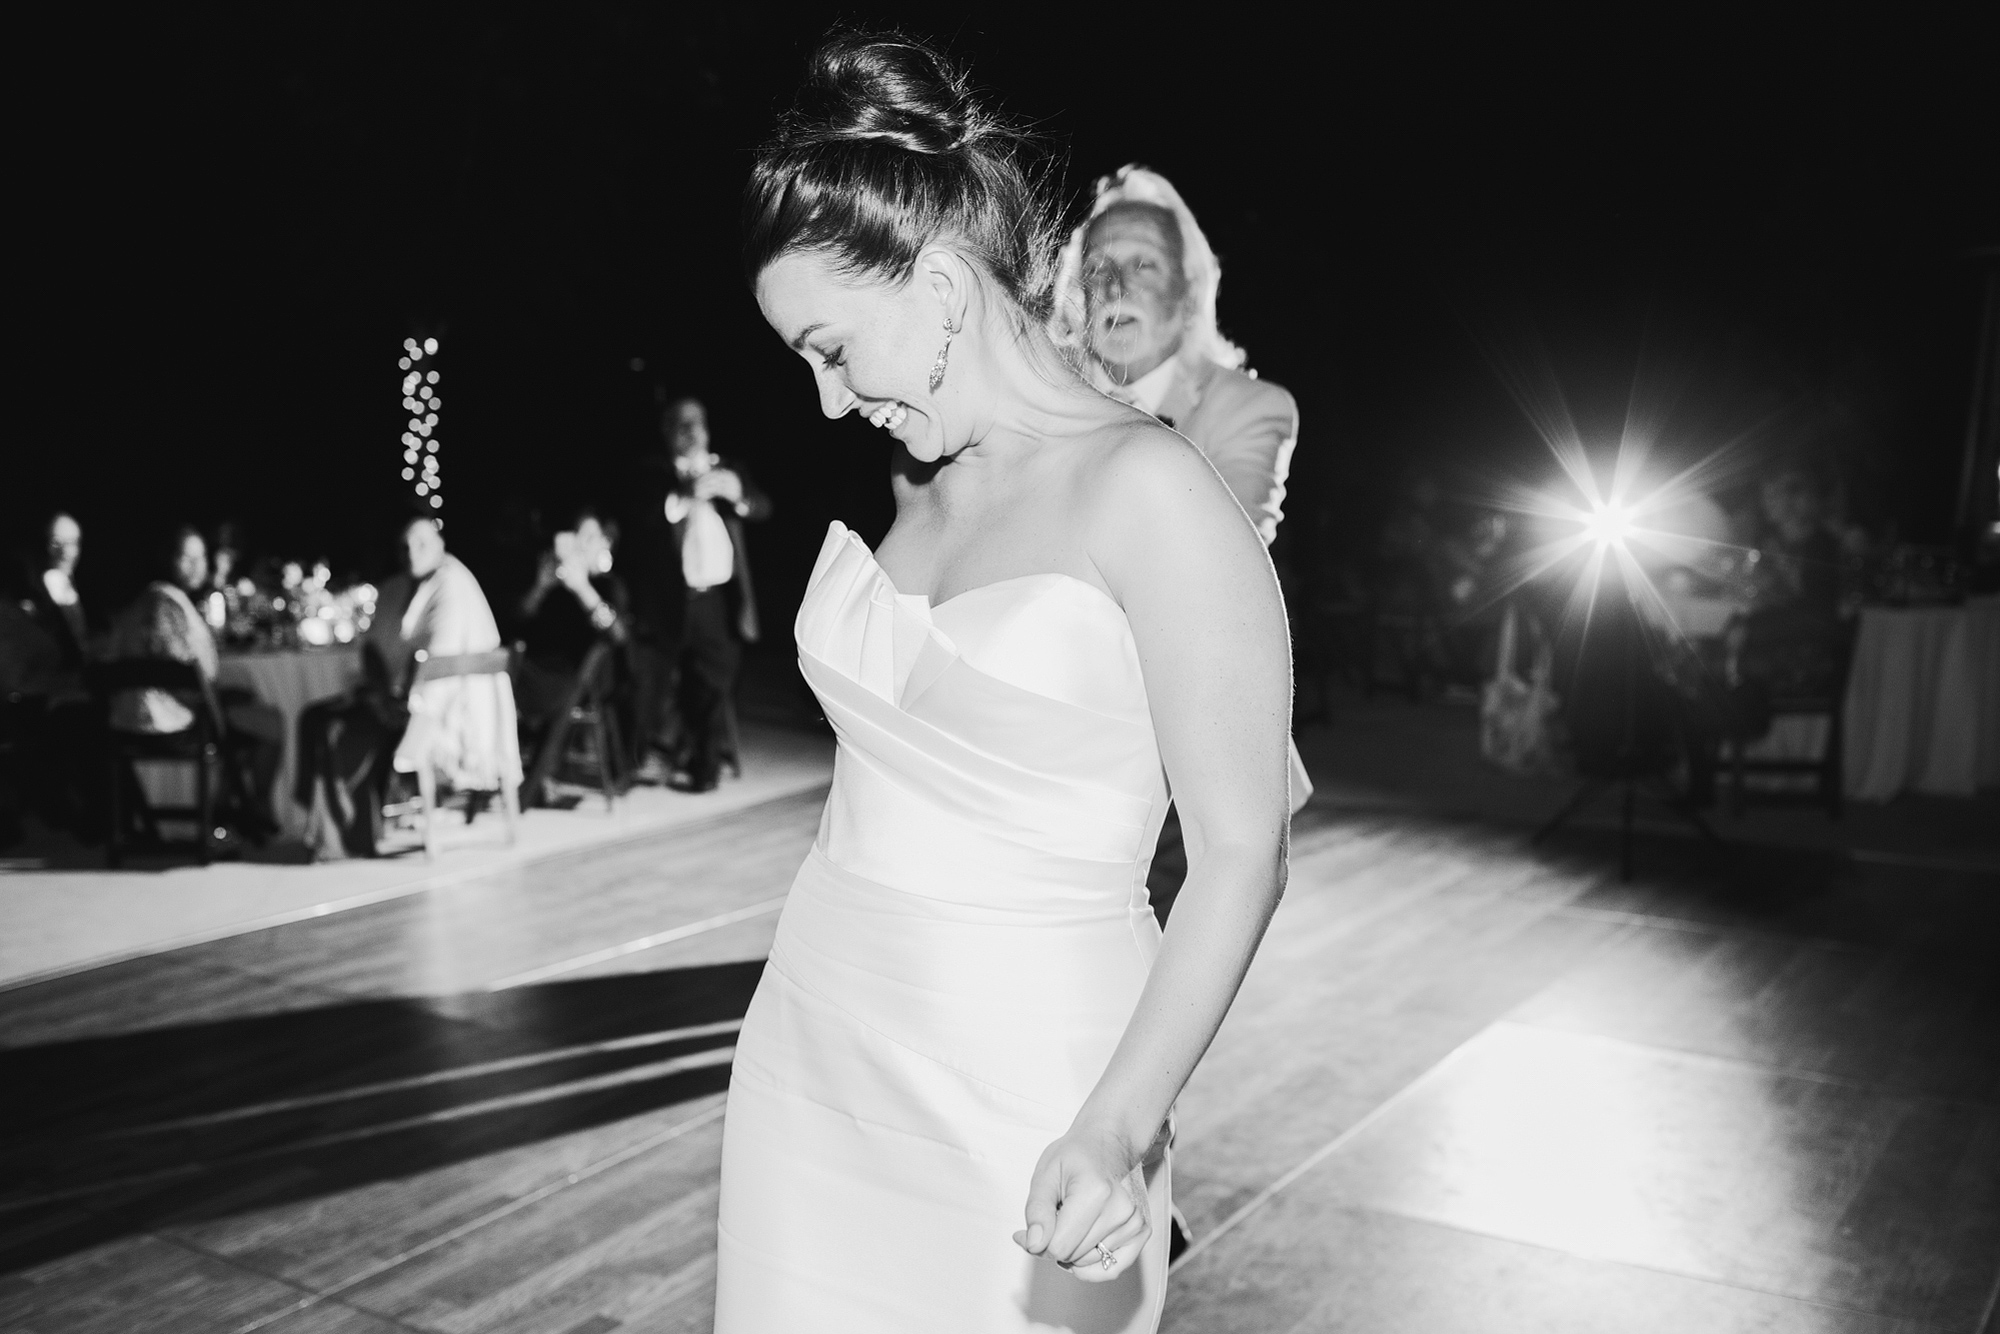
(235, 218)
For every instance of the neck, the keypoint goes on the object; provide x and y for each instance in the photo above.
(1023, 393)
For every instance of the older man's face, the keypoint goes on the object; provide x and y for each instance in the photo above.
(1136, 288)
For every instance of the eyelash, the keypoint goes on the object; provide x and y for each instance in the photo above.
(836, 359)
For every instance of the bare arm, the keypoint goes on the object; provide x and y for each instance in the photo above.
(1210, 625)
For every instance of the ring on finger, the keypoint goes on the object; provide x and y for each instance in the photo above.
(1106, 1260)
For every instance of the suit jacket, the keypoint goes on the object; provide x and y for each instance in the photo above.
(1247, 427)
(669, 604)
(64, 625)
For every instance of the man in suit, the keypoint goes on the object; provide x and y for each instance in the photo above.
(702, 605)
(52, 590)
(1136, 297)
(43, 659)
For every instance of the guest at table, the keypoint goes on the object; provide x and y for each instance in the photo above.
(51, 594)
(1792, 641)
(222, 603)
(350, 745)
(1475, 587)
(163, 622)
(575, 603)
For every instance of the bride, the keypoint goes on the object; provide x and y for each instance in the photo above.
(952, 1097)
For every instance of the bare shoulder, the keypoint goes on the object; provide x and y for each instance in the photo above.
(1148, 470)
(1149, 499)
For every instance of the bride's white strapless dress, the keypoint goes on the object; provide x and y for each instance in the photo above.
(959, 955)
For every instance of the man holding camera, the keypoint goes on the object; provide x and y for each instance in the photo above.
(704, 607)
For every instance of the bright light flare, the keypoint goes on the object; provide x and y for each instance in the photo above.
(1609, 524)
(1645, 521)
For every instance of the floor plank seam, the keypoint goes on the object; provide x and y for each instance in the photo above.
(461, 1112)
(1819, 1302)
(1740, 1063)
(370, 1272)
(239, 973)
(195, 1248)
(1725, 930)
(639, 945)
(1984, 1325)
(1263, 1197)
(423, 885)
(1508, 830)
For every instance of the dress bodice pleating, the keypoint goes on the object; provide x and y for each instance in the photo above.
(955, 964)
(1005, 730)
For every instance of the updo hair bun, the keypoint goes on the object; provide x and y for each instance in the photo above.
(886, 150)
(889, 91)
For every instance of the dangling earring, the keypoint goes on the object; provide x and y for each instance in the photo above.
(943, 356)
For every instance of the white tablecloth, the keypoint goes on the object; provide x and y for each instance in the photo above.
(1923, 701)
(288, 681)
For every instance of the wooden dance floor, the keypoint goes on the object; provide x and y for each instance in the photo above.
(1468, 1087)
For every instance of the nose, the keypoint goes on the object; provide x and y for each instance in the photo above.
(836, 400)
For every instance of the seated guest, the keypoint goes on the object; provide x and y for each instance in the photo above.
(1791, 641)
(350, 745)
(163, 622)
(222, 603)
(575, 603)
(52, 595)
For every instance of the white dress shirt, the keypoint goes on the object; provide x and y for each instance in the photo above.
(708, 557)
(1151, 389)
(61, 591)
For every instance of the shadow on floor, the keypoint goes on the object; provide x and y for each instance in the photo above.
(108, 1137)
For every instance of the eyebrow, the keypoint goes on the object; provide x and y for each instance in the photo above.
(798, 344)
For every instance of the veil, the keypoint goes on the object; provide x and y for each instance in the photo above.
(1069, 322)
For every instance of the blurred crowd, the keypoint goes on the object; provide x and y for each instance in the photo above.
(638, 635)
(1736, 603)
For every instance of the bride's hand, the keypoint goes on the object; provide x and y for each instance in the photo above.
(1088, 1192)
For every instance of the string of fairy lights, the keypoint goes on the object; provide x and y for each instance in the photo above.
(420, 438)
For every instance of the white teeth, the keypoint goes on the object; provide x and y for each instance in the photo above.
(889, 416)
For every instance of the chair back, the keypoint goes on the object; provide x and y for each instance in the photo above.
(183, 680)
(594, 673)
(108, 678)
(492, 662)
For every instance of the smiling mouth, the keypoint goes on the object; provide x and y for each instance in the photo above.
(889, 416)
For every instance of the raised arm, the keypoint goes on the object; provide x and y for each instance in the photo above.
(1210, 625)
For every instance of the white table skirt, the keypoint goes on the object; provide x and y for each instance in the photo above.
(288, 681)
(1923, 701)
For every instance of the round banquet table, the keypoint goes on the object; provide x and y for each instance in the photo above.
(1923, 701)
(288, 680)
